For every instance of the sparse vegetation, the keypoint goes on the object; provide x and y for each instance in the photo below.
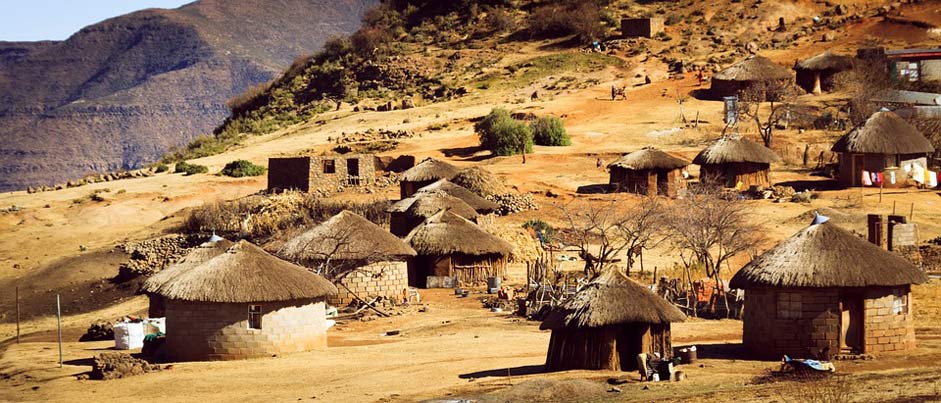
(550, 131)
(189, 169)
(242, 168)
(503, 135)
(161, 167)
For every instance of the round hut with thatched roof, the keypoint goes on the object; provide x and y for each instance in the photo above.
(425, 173)
(648, 171)
(364, 260)
(756, 73)
(736, 162)
(401, 223)
(885, 144)
(241, 303)
(480, 181)
(815, 75)
(449, 245)
(826, 289)
(213, 247)
(607, 323)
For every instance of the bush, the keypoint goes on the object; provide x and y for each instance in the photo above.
(542, 229)
(582, 19)
(161, 168)
(499, 19)
(190, 169)
(502, 134)
(549, 131)
(242, 168)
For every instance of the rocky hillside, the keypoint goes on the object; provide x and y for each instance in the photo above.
(118, 94)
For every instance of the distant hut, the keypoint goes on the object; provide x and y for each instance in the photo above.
(884, 143)
(736, 162)
(478, 203)
(425, 173)
(480, 181)
(607, 324)
(826, 288)
(422, 205)
(449, 245)
(648, 171)
(755, 72)
(364, 260)
(241, 303)
(815, 75)
(399, 224)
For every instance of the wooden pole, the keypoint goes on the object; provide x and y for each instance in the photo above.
(59, 324)
(17, 314)
(911, 213)
(880, 192)
(893, 207)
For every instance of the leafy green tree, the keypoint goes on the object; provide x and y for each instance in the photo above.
(549, 131)
(503, 135)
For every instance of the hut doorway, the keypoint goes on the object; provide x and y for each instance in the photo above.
(851, 324)
(630, 342)
(663, 183)
(859, 163)
(352, 171)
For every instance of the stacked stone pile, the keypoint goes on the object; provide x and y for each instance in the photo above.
(118, 365)
(153, 255)
(513, 202)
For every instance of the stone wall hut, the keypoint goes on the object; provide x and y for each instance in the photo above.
(309, 173)
(449, 245)
(242, 303)
(815, 75)
(884, 143)
(408, 212)
(648, 171)
(641, 27)
(364, 260)
(425, 173)
(753, 72)
(825, 287)
(736, 162)
(607, 323)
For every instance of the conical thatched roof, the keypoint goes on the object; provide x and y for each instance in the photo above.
(479, 204)
(199, 255)
(825, 255)
(243, 273)
(884, 133)
(429, 170)
(754, 68)
(446, 233)
(611, 299)
(649, 158)
(346, 236)
(826, 61)
(480, 181)
(431, 203)
(735, 149)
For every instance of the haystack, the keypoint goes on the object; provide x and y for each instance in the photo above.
(754, 72)
(480, 181)
(884, 143)
(607, 323)
(425, 173)
(240, 303)
(449, 245)
(648, 171)
(816, 74)
(736, 162)
(826, 288)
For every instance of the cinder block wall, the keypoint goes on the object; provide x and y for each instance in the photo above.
(213, 331)
(767, 336)
(384, 279)
(885, 330)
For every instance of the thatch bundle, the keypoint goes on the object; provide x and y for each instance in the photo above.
(242, 273)
(733, 149)
(649, 158)
(754, 68)
(429, 170)
(611, 299)
(884, 133)
(825, 255)
(445, 233)
(430, 203)
(826, 61)
(346, 236)
(480, 181)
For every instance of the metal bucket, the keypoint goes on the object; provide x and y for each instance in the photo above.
(687, 356)
(493, 284)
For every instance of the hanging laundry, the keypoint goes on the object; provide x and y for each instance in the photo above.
(918, 173)
(879, 177)
(892, 177)
(867, 180)
(932, 179)
(874, 178)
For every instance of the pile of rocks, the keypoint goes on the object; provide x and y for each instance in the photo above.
(153, 255)
(139, 173)
(118, 365)
(513, 202)
(98, 331)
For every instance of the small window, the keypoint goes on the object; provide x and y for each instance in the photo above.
(329, 166)
(254, 316)
(899, 303)
(789, 305)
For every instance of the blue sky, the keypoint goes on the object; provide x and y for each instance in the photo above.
(33, 20)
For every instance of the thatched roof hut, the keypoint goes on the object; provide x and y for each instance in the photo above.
(425, 173)
(744, 75)
(407, 213)
(346, 236)
(884, 141)
(735, 160)
(607, 323)
(480, 181)
(648, 171)
(826, 288)
(431, 203)
(478, 203)
(449, 245)
(816, 74)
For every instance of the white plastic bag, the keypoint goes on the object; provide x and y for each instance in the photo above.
(128, 335)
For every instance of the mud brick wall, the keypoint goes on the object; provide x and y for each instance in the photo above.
(768, 336)
(885, 330)
(384, 279)
(323, 180)
(215, 331)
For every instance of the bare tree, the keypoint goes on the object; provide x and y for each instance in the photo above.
(768, 104)
(642, 229)
(709, 230)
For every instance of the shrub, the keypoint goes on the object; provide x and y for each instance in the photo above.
(499, 19)
(549, 131)
(161, 167)
(502, 134)
(190, 169)
(542, 229)
(582, 19)
(241, 168)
